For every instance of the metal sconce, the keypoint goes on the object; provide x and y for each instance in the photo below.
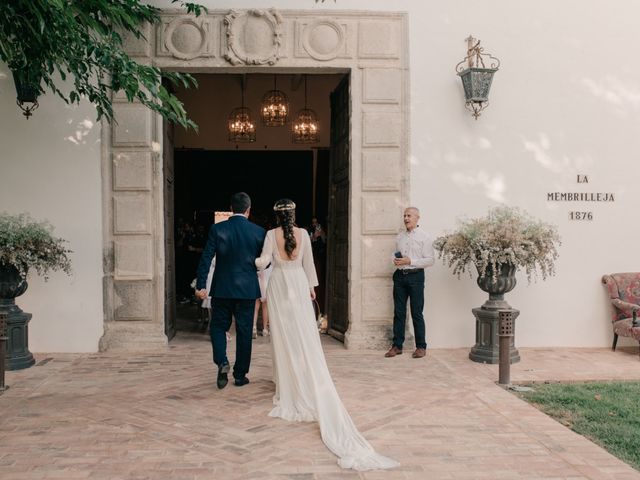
(476, 77)
(27, 90)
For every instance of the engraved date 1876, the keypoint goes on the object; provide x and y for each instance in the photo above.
(580, 215)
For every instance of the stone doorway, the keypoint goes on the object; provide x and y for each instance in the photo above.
(209, 168)
(372, 46)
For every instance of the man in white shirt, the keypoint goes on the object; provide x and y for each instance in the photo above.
(414, 253)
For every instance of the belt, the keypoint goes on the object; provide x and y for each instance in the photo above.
(408, 271)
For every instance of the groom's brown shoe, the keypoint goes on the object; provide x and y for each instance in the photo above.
(419, 353)
(393, 351)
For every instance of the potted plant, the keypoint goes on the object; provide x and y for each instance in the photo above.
(25, 245)
(497, 245)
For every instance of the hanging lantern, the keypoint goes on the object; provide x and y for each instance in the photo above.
(241, 127)
(305, 127)
(27, 91)
(275, 107)
(476, 78)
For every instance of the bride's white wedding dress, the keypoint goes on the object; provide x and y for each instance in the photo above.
(304, 388)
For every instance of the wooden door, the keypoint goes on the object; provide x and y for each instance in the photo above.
(169, 229)
(338, 226)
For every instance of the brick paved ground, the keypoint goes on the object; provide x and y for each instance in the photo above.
(159, 416)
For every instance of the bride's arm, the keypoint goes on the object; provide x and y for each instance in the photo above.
(307, 261)
(265, 257)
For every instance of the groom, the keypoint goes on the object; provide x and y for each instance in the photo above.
(235, 244)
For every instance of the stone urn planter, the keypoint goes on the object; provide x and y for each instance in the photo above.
(12, 285)
(486, 348)
(26, 245)
(497, 245)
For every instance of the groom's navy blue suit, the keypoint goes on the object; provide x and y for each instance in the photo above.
(235, 244)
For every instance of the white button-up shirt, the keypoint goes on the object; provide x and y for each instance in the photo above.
(416, 245)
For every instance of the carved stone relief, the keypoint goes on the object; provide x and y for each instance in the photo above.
(137, 46)
(323, 39)
(377, 254)
(187, 38)
(382, 85)
(381, 129)
(133, 258)
(380, 40)
(132, 300)
(132, 171)
(133, 127)
(381, 169)
(381, 213)
(254, 37)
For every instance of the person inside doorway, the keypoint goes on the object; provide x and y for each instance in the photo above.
(318, 238)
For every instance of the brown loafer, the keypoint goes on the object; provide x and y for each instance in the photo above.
(419, 353)
(393, 351)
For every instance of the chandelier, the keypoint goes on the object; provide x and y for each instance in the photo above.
(275, 107)
(305, 127)
(241, 127)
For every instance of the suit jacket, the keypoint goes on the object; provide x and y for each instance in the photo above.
(235, 243)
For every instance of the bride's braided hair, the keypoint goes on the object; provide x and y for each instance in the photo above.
(286, 214)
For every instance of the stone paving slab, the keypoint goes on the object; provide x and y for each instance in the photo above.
(160, 416)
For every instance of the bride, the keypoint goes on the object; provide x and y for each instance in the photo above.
(304, 388)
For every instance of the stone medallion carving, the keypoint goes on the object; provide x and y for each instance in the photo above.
(254, 37)
(323, 39)
(187, 38)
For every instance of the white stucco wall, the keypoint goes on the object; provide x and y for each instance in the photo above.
(50, 168)
(565, 102)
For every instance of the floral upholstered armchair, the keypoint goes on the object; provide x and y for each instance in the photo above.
(624, 291)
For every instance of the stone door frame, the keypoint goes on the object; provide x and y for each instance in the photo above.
(372, 46)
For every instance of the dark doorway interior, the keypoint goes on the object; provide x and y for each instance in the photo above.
(204, 182)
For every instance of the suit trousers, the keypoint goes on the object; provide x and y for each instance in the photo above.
(408, 286)
(222, 312)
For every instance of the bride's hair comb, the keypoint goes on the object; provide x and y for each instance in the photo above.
(284, 206)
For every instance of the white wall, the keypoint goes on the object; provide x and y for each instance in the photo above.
(565, 102)
(50, 168)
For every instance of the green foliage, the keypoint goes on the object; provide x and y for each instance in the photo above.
(505, 235)
(606, 413)
(43, 41)
(30, 245)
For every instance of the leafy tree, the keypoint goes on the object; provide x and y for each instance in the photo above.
(43, 41)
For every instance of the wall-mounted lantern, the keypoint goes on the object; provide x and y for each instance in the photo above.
(476, 76)
(27, 90)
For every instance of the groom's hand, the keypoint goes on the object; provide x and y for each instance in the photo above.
(202, 294)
